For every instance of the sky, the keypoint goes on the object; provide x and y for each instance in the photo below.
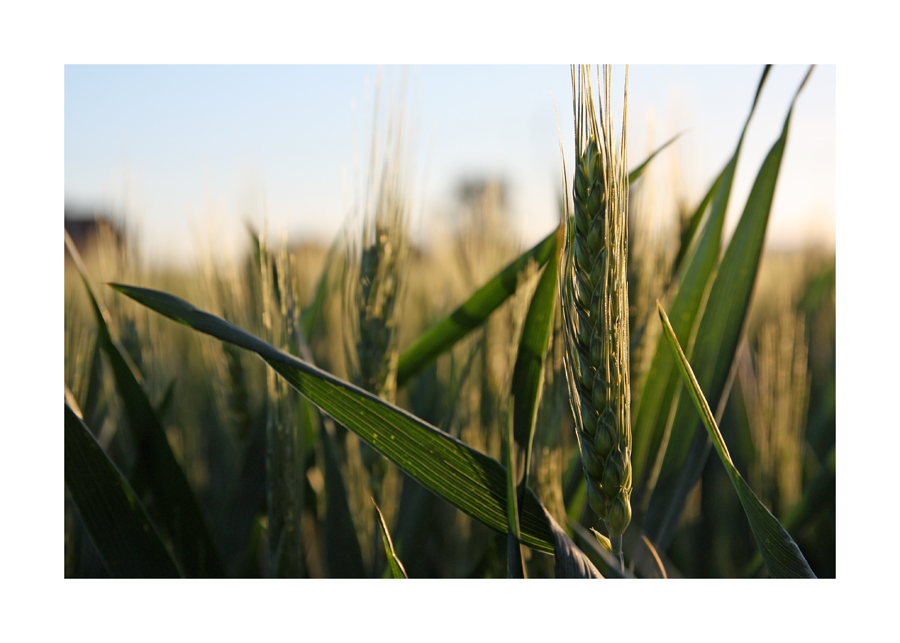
(184, 151)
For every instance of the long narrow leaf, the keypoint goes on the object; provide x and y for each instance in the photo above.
(527, 383)
(397, 570)
(716, 345)
(443, 335)
(639, 170)
(528, 373)
(652, 412)
(660, 387)
(818, 496)
(689, 235)
(464, 477)
(515, 567)
(116, 520)
(781, 554)
(605, 562)
(179, 513)
(570, 561)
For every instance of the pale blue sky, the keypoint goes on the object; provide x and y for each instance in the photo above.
(185, 146)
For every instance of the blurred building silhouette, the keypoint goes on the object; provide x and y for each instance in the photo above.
(476, 195)
(90, 228)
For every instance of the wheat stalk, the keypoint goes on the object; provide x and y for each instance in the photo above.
(375, 287)
(594, 294)
(377, 279)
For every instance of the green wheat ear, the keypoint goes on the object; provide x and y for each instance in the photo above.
(594, 296)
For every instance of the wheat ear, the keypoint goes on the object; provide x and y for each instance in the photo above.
(594, 296)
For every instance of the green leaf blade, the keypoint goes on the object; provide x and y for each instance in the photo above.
(781, 554)
(527, 382)
(470, 315)
(570, 561)
(694, 272)
(639, 170)
(515, 567)
(528, 372)
(397, 570)
(464, 477)
(819, 494)
(661, 386)
(716, 344)
(117, 522)
(180, 515)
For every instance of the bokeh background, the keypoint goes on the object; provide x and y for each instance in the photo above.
(169, 151)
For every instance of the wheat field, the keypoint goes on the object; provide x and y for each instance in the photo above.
(412, 413)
